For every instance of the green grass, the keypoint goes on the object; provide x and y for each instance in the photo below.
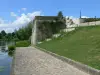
(82, 45)
(22, 44)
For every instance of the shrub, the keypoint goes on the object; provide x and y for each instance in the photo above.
(11, 48)
(22, 44)
(11, 53)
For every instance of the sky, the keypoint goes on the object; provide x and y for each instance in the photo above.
(17, 13)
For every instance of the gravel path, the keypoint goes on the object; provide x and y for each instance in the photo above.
(31, 61)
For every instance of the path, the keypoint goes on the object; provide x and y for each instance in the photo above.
(31, 61)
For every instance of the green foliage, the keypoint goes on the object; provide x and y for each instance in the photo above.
(7, 36)
(47, 28)
(11, 53)
(81, 45)
(61, 18)
(22, 44)
(0, 36)
(91, 19)
(24, 33)
(60, 14)
(3, 33)
(11, 48)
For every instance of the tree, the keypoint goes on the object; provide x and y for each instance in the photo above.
(61, 22)
(24, 33)
(60, 15)
(9, 36)
(13, 33)
(3, 33)
(0, 36)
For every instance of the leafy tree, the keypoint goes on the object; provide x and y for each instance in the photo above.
(60, 14)
(0, 36)
(3, 33)
(24, 33)
(9, 36)
(13, 33)
(61, 17)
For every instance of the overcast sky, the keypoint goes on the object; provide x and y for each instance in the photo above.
(17, 13)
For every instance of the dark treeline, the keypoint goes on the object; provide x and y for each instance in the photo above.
(7, 36)
(23, 33)
(91, 19)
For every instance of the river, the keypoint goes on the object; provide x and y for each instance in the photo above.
(5, 58)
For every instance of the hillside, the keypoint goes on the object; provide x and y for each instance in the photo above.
(82, 45)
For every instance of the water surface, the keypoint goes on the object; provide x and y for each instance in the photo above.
(5, 59)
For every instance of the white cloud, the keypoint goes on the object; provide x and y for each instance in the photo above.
(71, 17)
(31, 15)
(24, 9)
(13, 14)
(84, 17)
(23, 20)
(1, 21)
(26, 18)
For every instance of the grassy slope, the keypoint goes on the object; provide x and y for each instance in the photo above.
(82, 45)
(24, 43)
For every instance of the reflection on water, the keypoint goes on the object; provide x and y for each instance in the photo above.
(3, 48)
(10, 54)
(5, 58)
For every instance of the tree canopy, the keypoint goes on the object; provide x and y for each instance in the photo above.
(23, 33)
(60, 14)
